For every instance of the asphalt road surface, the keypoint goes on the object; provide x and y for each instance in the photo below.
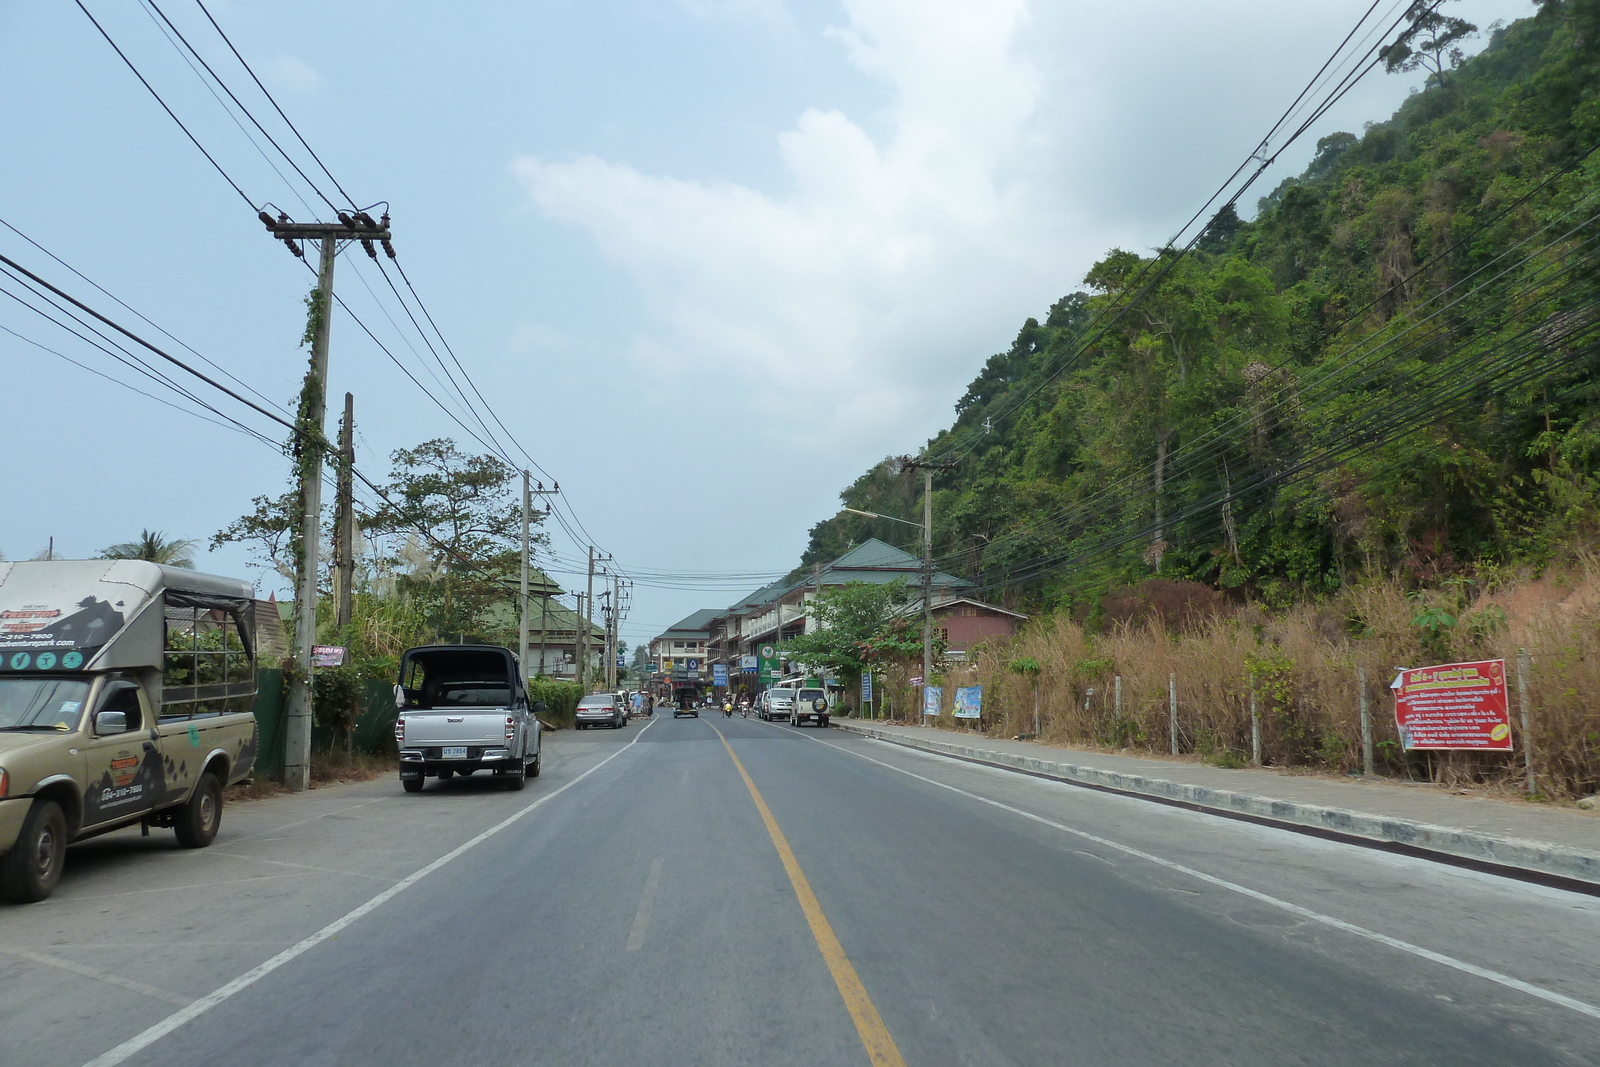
(786, 897)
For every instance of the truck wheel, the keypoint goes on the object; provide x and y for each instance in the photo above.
(533, 768)
(197, 822)
(516, 779)
(30, 871)
(412, 785)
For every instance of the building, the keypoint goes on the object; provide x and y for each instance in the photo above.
(963, 621)
(779, 612)
(678, 654)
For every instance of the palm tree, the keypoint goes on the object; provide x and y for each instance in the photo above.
(155, 546)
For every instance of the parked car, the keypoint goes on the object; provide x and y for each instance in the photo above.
(126, 698)
(463, 709)
(601, 709)
(780, 701)
(809, 705)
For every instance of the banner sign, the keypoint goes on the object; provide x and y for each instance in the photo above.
(1453, 705)
(866, 687)
(327, 656)
(719, 674)
(747, 664)
(969, 702)
(932, 697)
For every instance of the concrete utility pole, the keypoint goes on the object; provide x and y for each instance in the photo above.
(310, 445)
(588, 620)
(927, 467)
(527, 521)
(522, 604)
(344, 537)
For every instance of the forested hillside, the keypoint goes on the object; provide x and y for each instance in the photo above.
(1389, 371)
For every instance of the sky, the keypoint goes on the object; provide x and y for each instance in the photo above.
(707, 260)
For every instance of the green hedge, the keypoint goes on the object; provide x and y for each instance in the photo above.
(560, 700)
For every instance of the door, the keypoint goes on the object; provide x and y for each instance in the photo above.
(125, 777)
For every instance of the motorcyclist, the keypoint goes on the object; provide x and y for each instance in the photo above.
(727, 709)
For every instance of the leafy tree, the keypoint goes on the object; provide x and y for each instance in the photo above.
(156, 547)
(1431, 40)
(266, 532)
(466, 510)
(848, 617)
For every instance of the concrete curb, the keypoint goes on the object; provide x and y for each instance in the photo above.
(1473, 845)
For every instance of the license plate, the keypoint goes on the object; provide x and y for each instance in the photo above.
(456, 752)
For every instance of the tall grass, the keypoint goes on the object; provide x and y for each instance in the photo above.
(1302, 666)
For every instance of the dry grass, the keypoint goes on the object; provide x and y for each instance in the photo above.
(335, 768)
(1303, 668)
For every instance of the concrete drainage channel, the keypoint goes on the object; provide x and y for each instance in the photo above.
(1532, 861)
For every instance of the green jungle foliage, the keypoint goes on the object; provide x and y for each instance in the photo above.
(1391, 369)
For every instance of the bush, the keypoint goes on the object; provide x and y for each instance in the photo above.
(560, 700)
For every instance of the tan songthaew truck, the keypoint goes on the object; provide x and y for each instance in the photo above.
(125, 697)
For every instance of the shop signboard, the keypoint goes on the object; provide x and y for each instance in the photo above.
(719, 674)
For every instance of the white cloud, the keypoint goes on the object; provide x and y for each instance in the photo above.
(885, 260)
(290, 74)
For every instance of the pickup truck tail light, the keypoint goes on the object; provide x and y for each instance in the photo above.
(5, 783)
(511, 727)
(400, 729)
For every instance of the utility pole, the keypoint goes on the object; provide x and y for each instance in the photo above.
(927, 467)
(527, 521)
(344, 537)
(522, 604)
(616, 628)
(309, 445)
(588, 620)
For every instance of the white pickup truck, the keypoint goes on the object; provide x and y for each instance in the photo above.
(463, 709)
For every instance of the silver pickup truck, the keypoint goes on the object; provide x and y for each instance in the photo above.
(463, 709)
(125, 696)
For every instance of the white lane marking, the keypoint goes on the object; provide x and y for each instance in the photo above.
(90, 972)
(249, 978)
(1538, 992)
(641, 918)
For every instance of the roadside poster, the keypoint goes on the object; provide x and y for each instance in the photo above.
(768, 658)
(747, 664)
(327, 656)
(932, 697)
(969, 701)
(1453, 705)
(866, 687)
(719, 674)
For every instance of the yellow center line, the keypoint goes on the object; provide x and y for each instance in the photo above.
(881, 1050)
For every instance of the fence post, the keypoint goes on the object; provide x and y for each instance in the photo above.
(1522, 704)
(1117, 706)
(1366, 724)
(1255, 725)
(1172, 709)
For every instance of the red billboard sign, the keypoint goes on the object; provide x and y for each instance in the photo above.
(1454, 705)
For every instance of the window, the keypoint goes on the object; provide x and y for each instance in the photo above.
(207, 668)
(679, 644)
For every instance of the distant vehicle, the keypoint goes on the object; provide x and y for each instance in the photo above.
(809, 705)
(126, 698)
(601, 709)
(463, 709)
(684, 708)
(780, 702)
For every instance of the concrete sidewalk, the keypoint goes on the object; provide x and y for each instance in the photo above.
(1533, 837)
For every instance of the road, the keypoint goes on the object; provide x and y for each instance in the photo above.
(638, 905)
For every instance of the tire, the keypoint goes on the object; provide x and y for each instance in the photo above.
(532, 769)
(412, 785)
(517, 779)
(30, 871)
(196, 823)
